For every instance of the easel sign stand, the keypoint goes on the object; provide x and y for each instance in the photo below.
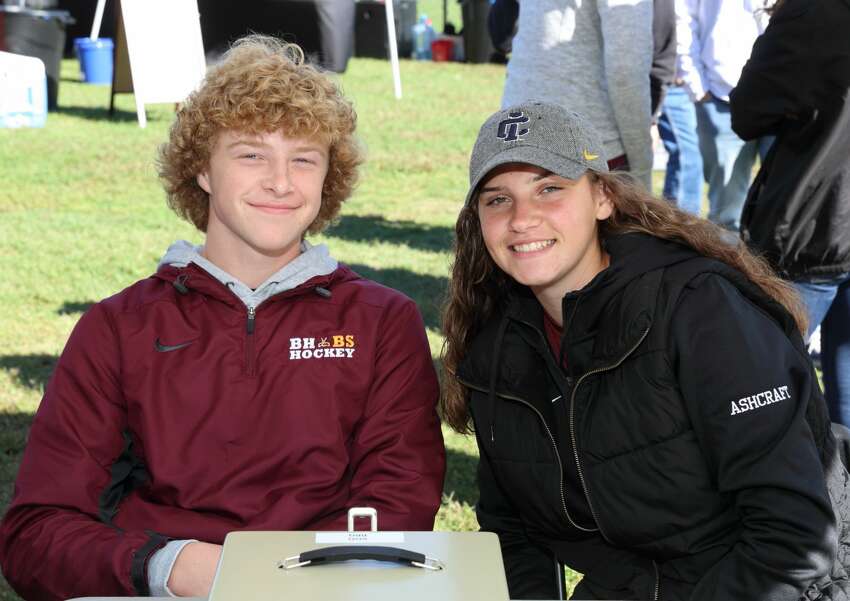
(98, 18)
(393, 44)
(159, 53)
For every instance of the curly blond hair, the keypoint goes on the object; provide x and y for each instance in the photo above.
(261, 85)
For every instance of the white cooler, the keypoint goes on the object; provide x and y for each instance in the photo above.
(23, 91)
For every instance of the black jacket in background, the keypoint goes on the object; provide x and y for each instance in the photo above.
(796, 86)
(501, 23)
(699, 488)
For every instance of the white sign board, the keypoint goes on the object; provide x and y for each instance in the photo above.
(165, 48)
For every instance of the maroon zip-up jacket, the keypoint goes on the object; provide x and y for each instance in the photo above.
(172, 413)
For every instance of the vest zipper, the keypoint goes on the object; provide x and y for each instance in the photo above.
(249, 342)
(657, 594)
(575, 447)
(554, 448)
(573, 430)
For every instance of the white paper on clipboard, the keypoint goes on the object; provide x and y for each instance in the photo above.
(360, 537)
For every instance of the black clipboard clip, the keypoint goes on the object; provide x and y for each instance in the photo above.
(328, 555)
(337, 554)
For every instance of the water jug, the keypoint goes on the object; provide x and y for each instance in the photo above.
(423, 35)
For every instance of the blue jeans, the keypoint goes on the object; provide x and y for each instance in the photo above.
(727, 162)
(677, 127)
(828, 305)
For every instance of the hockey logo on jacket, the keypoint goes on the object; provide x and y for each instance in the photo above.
(326, 347)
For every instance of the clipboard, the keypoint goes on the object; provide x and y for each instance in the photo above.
(274, 565)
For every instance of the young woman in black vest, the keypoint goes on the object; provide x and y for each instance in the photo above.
(644, 407)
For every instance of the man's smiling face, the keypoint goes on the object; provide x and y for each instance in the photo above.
(264, 191)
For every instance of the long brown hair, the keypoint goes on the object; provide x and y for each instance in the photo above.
(478, 287)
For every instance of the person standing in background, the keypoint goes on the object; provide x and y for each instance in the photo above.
(592, 58)
(663, 70)
(722, 34)
(501, 24)
(796, 86)
(677, 127)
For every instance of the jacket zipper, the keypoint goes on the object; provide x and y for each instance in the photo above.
(554, 448)
(575, 447)
(249, 341)
(657, 594)
(573, 431)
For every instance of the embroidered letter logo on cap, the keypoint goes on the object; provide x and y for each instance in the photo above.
(509, 128)
(545, 135)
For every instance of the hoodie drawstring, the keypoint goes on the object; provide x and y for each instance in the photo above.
(180, 284)
(323, 292)
(494, 366)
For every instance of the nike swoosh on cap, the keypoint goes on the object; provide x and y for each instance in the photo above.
(589, 157)
(165, 348)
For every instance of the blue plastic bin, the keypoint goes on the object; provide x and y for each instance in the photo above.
(95, 59)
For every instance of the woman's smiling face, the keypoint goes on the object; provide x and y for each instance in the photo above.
(542, 229)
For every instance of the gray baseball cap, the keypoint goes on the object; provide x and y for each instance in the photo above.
(537, 133)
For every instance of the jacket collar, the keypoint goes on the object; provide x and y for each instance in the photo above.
(624, 295)
(193, 280)
(312, 261)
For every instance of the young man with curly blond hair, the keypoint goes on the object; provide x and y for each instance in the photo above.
(250, 383)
